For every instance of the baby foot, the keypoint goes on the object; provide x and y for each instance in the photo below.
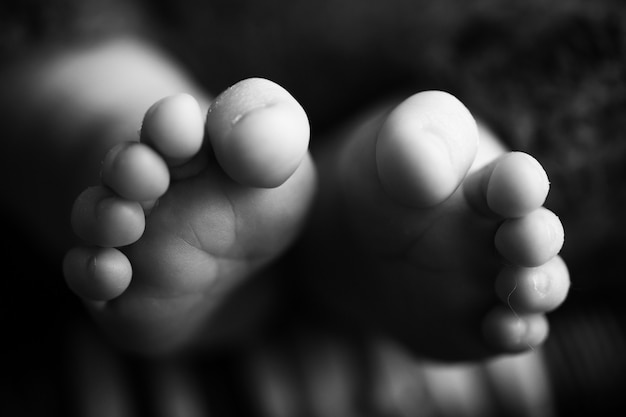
(180, 221)
(439, 241)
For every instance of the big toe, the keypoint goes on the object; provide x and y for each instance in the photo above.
(259, 133)
(425, 148)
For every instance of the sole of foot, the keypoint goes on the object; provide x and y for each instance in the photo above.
(440, 238)
(188, 214)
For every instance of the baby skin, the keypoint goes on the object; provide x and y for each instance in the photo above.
(432, 233)
(189, 212)
(420, 231)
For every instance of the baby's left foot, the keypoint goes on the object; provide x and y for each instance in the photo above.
(438, 240)
(167, 255)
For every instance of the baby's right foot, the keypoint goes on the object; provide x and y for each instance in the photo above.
(426, 222)
(166, 255)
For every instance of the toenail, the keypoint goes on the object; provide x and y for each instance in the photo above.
(110, 157)
(91, 266)
(540, 175)
(532, 240)
(175, 126)
(516, 333)
(135, 171)
(510, 332)
(263, 146)
(521, 330)
(259, 133)
(537, 330)
(541, 283)
(239, 117)
(103, 206)
(537, 168)
(97, 273)
(555, 233)
(504, 329)
(414, 166)
(517, 185)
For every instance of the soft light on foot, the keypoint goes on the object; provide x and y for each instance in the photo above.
(98, 274)
(425, 148)
(508, 331)
(178, 116)
(135, 171)
(259, 133)
(104, 219)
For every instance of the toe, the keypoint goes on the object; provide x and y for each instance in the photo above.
(534, 290)
(102, 218)
(531, 240)
(425, 148)
(175, 127)
(97, 273)
(259, 133)
(507, 331)
(135, 172)
(513, 185)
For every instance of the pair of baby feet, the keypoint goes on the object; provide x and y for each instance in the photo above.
(428, 235)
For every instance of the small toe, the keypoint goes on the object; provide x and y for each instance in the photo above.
(135, 172)
(175, 127)
(98, 274)
(259, 133)
(531, 240)
(510, 332)
(513, 185)
(425, 148)
(102, 218)
(534, 290)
